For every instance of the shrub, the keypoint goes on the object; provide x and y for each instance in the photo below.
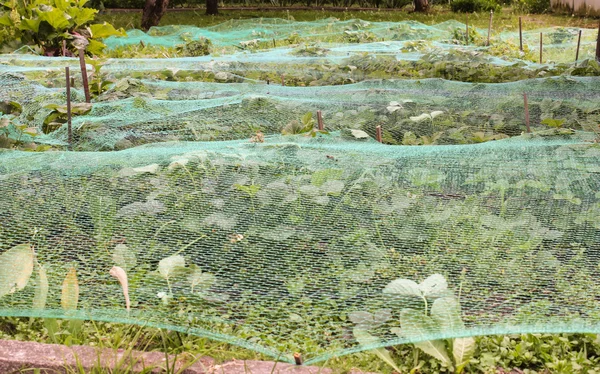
(532, 6)
(46, 23)
(470, 6)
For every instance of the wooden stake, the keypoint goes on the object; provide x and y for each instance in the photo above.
(526, 112)
(69, 129)
(541, 48)
(320, 120)
(379, 134)
(274, 45)
(298, 358)
(490, 27)
(520, 35)
(84, 77)
(64, 48)
(578, 44)
(598, 44)
(282, 80)
(467, 25)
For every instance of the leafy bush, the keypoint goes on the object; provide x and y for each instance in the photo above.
(46, 23)
(532, 6)
(470, 6)
(201, 47)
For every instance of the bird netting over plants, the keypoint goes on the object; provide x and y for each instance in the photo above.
(297, 244)
(284, 41)
(201, 196)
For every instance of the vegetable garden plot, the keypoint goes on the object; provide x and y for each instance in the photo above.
(426, 112)
(297, 244)
(201, 197)
(352, 36)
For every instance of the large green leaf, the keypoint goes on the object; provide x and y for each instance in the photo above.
(434, 285)
(403, 287)
(95, 47)
(169, 266)
(55, 18)
(445, 312)
(463, 350)
(81, 16)
(419, 327)
(104, 30)
(5, 19)
(366, 339)
(30, 24)
(16, 267)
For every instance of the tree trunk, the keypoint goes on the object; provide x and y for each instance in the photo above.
(421, 5)
(153, 12)
(212, 7)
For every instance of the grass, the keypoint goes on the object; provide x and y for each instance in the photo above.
(130, 337)
(507, 20)
(532, 353)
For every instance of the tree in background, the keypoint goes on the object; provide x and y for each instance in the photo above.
(212, 7)
(155, 9)
(421, 5)
(153, 12)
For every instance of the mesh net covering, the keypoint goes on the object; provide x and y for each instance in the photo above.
(351, 36)
(295, 243)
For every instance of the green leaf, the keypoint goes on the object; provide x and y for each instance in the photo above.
(5, 19)
(404, 287)
(434, 285)
(463, 350)
(56, 18)
(124, 257)
(366, 339)
(30, 24)
(81, 108)
(104, 30)
(552, 122)
(95, 47)
(251, 190)
(168, 266)
(41, 289)
(321, 176)
(417, 326)
(16, 267)
(201, 280)
(81, 16)
(445, 312)
(70, 291)
(307, 119)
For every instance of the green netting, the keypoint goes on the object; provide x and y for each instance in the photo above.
(404, 40)
(227, 229)
(300, 234)
(432, 111)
